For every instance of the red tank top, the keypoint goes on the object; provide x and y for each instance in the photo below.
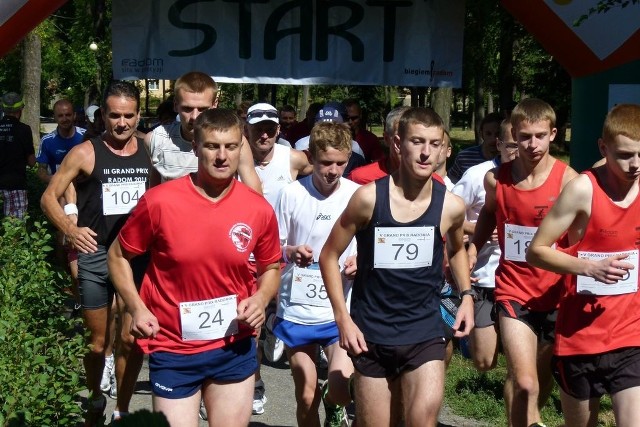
(516, 280)
(593, 324)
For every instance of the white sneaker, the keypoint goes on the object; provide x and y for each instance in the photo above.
(109, 369)
(203, 411)
(259, 398)
(273, 347)
(113, 387)
(323, 362)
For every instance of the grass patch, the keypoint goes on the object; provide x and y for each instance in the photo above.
(478, 396)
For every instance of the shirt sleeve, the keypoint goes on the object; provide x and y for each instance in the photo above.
(137, 233)
(267, 249)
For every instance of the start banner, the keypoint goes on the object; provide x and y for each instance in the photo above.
(366, 42)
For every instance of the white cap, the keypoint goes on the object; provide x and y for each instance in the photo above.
(90, 112)
(262, 111)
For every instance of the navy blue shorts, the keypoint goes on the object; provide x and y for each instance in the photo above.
(294, 335)
(176, 376)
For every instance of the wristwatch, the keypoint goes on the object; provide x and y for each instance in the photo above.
(472, 292)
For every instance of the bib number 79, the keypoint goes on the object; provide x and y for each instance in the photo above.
(409, 251)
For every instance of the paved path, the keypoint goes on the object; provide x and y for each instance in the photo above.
(280, 407)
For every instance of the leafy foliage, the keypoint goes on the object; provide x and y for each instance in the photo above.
(40, 361)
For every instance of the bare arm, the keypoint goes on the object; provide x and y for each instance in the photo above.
(31, 160)
(572, 210)
(356, 216)
(452, 222)
(251, 310)
(43, 172)
(246, 169)
(144, 323)
(79, 161)
(300, 165)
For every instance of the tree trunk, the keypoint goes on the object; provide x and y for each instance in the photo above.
(478, 105)
(441, 100)
(31, 73)
(505, 67)
(305, 103)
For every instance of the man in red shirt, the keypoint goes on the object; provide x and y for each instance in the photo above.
(199, 307)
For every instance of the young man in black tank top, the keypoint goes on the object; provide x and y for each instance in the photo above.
(394, 333)
(103, 168)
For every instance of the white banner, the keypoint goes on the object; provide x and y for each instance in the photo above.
(373, 42)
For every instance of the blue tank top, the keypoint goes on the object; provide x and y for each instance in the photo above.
(399, 306)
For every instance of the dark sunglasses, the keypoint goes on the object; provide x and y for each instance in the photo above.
(262, 113)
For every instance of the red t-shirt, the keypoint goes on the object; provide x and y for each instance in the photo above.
(370, 145)
(593, 324)
(369, 173)
(199, 251)
(534, 288)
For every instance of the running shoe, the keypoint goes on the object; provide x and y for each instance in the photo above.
(107, 372)
(273, 347)
(259, 398)
(203, 411)
(335, 415)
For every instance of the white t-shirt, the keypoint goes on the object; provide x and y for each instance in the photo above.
(471, 188)
(307, 217)
(171, 155)
(276, 175)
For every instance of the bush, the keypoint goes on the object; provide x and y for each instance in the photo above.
(41, 355)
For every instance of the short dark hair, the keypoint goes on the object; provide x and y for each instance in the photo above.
(287, 109)
(418, 115)
(121, 88)
(216, 119)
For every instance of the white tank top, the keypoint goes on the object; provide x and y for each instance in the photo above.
(276, 174)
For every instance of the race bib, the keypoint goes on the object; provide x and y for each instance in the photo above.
(589, 285)
(209, 320)
(403, 247)
(517, 239)
(120, 197)
(308, 288)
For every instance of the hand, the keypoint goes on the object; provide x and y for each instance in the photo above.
(464, 318)
(302, 255)
(473, 257)
(611, 270)
(251, 311)
(350, 267)
(82, 239)
(351, 338)
(494, 236)
(144, 324)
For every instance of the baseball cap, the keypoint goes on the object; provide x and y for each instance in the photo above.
(90, 112)
(331, 112)
(261, 112)
(11, 102)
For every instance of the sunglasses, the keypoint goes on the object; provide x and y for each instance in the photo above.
(255, 114)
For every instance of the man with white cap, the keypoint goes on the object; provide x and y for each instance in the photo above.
(275, 164)
(16, 145)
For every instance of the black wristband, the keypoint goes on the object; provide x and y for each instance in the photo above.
(470, 292)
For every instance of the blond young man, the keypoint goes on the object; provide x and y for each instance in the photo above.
(597, 347)
(517, 198)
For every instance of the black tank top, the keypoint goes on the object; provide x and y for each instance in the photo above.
(399, 306)
(109, 168)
